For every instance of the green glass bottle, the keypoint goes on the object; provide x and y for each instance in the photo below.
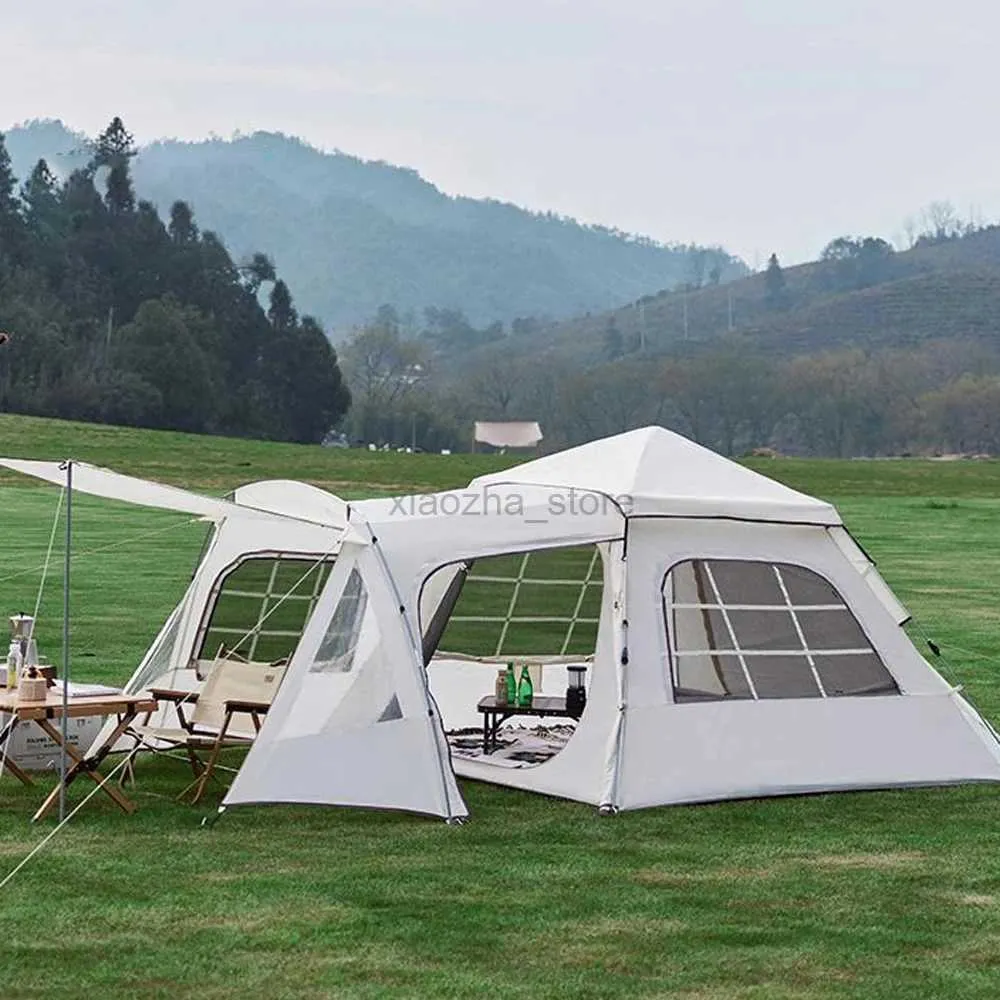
(525, 691)
(511, 685)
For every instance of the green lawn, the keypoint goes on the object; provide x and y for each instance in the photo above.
(874, 895)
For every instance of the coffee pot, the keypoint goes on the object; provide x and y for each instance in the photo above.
(22, 631)
(576, 693)
(21, 626)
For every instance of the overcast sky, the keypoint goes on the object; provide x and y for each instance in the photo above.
(762, 125)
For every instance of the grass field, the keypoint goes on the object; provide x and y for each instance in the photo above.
(874, 895)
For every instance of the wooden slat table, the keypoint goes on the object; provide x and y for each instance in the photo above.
(43, 713)
(496, 713)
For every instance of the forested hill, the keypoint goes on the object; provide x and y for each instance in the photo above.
(109, 312)
(860, 293)
(350, 235)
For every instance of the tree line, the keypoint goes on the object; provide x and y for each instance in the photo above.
(110, 313)
(114, 315)
(943, 396)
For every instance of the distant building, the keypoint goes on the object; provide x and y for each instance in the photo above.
(504, 434)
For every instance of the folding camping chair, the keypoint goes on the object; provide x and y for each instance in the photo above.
(226, 712)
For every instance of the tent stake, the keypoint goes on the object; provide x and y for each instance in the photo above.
(211, 820)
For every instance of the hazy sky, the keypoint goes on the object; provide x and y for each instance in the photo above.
(758, 124)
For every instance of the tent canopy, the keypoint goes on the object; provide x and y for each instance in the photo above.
(272, 498)
(655, 472)
(95, 481)
(508, 433)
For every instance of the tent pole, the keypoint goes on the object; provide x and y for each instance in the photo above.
(65, 663)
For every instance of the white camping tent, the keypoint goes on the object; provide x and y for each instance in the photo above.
(746, 646)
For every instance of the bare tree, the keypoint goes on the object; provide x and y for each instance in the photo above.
(941, 220)
(495, 383)
(382, 371)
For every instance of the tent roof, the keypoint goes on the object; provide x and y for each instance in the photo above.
(655, 472)
(508, 433)
(290, 498)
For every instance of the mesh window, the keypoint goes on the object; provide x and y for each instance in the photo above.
(262, 606)
(855, 675)
(751, 630)
(336, 651)
(536, 603)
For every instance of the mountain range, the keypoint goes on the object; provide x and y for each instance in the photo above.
(350, 235)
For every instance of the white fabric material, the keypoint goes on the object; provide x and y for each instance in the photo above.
(368, 718)
(635, 748)
(245, 534)
(653, 471)
(293, 499)
(632, 727)
(873, 578)
(655, 545)
(98, 482)
(280, 497)
(723, 750)
(419, 534)
(508, 433)
(237, 539)
(434, 592)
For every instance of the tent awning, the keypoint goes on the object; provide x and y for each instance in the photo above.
(508, 433)
(95, 481)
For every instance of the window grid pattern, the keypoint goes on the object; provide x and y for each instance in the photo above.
(772, 641)
(293, 583)
(729, 628)
(798, 631)
(510, 617)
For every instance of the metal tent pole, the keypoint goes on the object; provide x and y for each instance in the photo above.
(65, 663)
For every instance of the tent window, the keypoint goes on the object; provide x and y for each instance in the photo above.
(533, 603)
(336, 651)
(752, 630)
(262, 605)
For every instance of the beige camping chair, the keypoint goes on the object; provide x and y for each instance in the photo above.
(226, 712)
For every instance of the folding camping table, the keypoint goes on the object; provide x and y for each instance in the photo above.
(495, 713)
(43, 713)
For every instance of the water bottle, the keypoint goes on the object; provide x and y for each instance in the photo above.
(525, 691)
(13, 665)
(511, 685)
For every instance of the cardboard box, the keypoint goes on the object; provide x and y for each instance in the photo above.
(32, 750)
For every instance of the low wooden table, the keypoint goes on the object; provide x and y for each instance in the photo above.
(496, 713)
(43, 713)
